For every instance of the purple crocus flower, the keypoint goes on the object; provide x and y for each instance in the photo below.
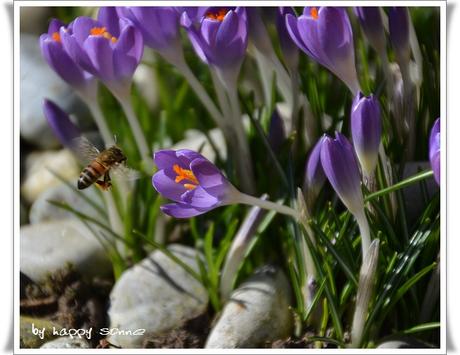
(220, 38)
(110, 48)
(435, 150)
(58, 59)
(159, 27)
(341, 168)
(190, 180)
(371, 22)
(366, 130)
(398, 23)
(314, 175)
(288, 47)
(63, 128)
(325, 34)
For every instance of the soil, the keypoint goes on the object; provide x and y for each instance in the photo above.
(68, 300)
(192, 334)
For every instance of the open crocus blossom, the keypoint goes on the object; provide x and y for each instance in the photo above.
(110, 48)
(341, 168)
(371, 22)
(191, 181)
(435, 150)
(159, 26)
(220, 38)
(59, 121)
(325, 34)
(197, 186)
(366, 130)
(58, 59)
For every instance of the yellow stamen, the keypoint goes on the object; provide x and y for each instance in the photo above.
(185, 174)
(217, 15)
(189, 186)
(102, 31)
(56, 37)
(314, 13)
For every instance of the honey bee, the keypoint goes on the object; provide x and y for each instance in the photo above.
(101, 164)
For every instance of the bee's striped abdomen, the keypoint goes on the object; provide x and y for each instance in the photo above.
(91, 174)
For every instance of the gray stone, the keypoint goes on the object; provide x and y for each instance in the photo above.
(29, 337)
(156, 295)
(51, 246)
(66, 343)
(38, 82)
(258, 312)
(43, 211)
(38, 176)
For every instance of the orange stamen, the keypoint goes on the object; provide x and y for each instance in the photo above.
(102, 31)
(218, 15)
(314, 13)
(185, 174)
(56, 37)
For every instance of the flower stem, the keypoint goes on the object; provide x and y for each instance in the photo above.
(136, 129)
(364, 231)
(268, 205)
(199, 90)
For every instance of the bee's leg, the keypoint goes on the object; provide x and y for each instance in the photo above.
(105, 184)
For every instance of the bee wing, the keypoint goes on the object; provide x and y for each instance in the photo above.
(123, 172)
(84, 149)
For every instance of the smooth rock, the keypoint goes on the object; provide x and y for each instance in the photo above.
(38, 177)
(156, 295)
(28, 335)
(402, 342)
(258, 312)
(43, 211)
(66, 343)
(50, 246)
(38, 82)
(196, 140)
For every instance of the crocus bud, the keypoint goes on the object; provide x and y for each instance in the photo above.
(63, 128)
(314, 175)
(276, 132)
(435, 150)
(371, 22)
(159, 27)
(366, 130)
(190, 180)
(288, 47)
(341, 168)
(220, 39)
(58, 59)
(109, 48)
(398, 23)
(325, 34)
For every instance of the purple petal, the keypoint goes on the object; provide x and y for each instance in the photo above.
(54, 26)
(101, 55)
(165, 185)
(108, 17)
(127, 52)
(178, 210)
(341, 169)
(435, 150)
(81, 28)
(199, 198)
(63, 128)
(314, 173)
(165, 159)
(210, 178)
(75, 51)
(227, 29)
(58, 59)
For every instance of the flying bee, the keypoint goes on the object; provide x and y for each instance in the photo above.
(101, 164)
